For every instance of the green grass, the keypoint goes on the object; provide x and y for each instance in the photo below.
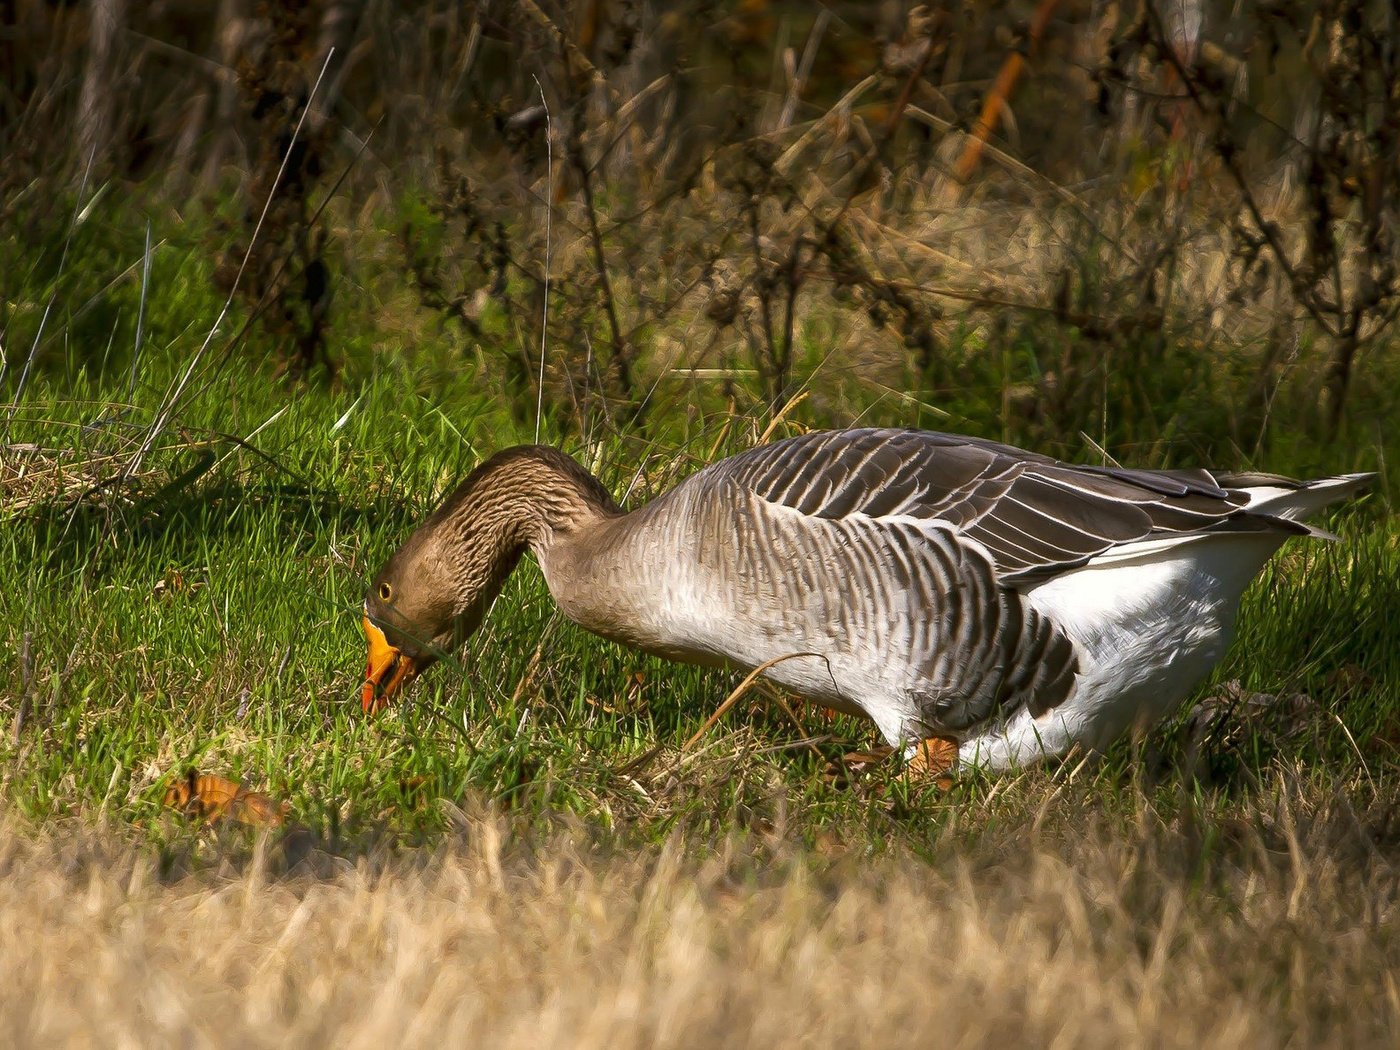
(203, 611)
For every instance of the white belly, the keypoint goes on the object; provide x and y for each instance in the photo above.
(1149, 623)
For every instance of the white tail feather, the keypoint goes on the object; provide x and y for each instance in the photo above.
(1303, 501)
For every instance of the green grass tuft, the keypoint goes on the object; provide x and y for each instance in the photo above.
(197, 607)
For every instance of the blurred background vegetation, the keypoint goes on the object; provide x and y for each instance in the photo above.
(1167, 227)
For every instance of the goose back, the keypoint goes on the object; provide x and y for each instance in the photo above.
(1034, 516)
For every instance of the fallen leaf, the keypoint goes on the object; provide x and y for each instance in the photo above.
(632, 700)
(821, 712)
(842, 772)
(213, 798)
(1348, 680)
(1230, 717)
(830, 845)
(417, 791)
(867, 758)
(173, 583)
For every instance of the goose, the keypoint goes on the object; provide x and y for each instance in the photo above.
(985, 606)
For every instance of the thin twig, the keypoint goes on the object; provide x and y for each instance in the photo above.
(996, 101)
(804, 69)
(62, 263)
(26, 682)
(548, 228)
(739, 691)
(168, 403)
(621, 360)
(140, 313)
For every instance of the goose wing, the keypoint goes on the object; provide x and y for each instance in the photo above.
(1035, 516)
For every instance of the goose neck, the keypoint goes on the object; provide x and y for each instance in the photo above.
(530, 496)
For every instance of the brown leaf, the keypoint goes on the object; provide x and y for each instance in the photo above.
(213, 798)
(803, 708)
(1348, 680)
(417, 791)
(878, 753)
(830, 845)
(633, 702)
(844, 771)
(173, 583)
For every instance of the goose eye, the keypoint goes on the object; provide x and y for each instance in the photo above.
(386, 592)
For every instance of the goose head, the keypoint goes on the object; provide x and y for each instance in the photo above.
(431, 596)
(435, 590)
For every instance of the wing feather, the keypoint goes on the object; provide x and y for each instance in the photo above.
(1034, 515)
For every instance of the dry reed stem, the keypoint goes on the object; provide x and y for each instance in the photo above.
(998, 99)
(740, 690)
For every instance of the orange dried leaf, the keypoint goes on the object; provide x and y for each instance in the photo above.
(213, 798)
(867, 758)
(417, 791)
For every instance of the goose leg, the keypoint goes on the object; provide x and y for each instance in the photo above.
(931, 761)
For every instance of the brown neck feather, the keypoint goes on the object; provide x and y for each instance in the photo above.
(529, 492)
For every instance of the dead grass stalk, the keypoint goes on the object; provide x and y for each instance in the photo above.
(1068, 927)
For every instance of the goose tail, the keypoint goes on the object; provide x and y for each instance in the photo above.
(1280, 497)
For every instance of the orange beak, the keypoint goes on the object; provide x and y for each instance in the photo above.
(389, 670)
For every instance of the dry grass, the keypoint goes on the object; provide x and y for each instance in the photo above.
(1191, 923)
